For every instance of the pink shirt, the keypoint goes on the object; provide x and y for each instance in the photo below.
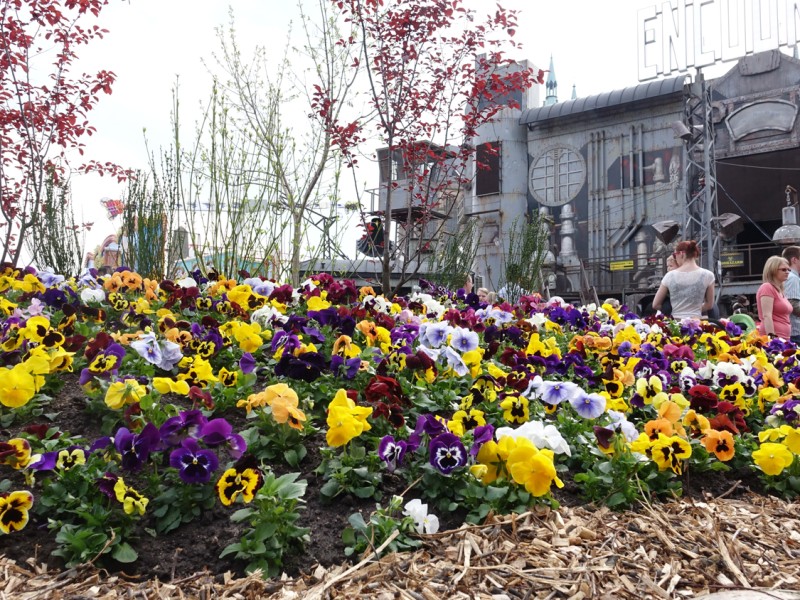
(781, 309)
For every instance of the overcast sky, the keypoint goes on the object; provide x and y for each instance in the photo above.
(150, 42)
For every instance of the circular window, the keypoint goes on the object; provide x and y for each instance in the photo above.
(557, 175)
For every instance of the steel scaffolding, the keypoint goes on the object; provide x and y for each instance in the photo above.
(701, 177)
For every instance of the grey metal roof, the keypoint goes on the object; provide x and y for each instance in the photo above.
(637, 93)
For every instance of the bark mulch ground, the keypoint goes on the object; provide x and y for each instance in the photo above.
(680, 549)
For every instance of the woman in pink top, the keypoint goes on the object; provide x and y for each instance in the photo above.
(773, 307)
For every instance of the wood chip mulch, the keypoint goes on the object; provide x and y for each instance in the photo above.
(679, 549)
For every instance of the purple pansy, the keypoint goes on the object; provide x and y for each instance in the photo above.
(106, 484)
(347, 368)
(392, 452)
(188, 423)
(58, 459)
(588, 406)
(306, 367)
(218, 432)
(247, 363)
(447, 453)
(480, 435)
(135, 448)
(194, 464)
(427, 424)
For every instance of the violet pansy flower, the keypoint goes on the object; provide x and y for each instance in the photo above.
(588, 406)
(247, 363)
(447, 453)
(480, 435)
(135, 448)
(392, 452)
(188, 423)
(218, 432)
(194, 464)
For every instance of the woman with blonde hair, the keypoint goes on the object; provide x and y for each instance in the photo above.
(773, 307)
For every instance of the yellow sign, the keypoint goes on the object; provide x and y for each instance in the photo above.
(732, 259)
(621, 265)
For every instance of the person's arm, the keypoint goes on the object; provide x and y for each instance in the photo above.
(661, 295)
(708, 304)
(791, 289)
(767, 302)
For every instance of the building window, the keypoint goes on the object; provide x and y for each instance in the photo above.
(397, 172)
(487, 166)
(557, 176)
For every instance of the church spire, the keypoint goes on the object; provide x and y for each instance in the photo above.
(574, 93)
(551, 85)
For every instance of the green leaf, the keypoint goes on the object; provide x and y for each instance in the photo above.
(365, 492)
(265, 530)
(124, 553)
(230, 550)
(241, 514)
(616, 499)
(330, 489)
(357, 521)
(291, 458)
(495, 493)
(349, 536)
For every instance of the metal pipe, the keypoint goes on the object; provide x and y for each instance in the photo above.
(589, 195)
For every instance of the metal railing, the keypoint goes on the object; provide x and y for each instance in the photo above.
(740, 264)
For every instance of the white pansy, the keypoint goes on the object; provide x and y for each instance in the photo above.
(424, 521)
(620, 422)
(500, 316)
(537, 320)
(381, 304)
(541, 435)
(266, 315)
(601, 314)
(534, 385)
(89, 295)
(706, 371)
(186, 282)
(728, 373)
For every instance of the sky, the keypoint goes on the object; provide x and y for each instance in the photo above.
(152, 42)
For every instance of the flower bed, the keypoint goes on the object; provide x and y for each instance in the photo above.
(136, 413)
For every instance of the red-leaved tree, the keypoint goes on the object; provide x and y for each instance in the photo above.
(436, 72)
(44, 106)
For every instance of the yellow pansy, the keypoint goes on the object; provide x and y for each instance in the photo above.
(120, 393)
(492, 457)
(772, 458)
(167, 385)
(345, 420)
(533, 468)
(317, 303)
(670, 452)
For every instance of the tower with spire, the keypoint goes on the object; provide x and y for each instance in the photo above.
(551, 85)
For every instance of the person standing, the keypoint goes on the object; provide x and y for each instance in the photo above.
(791, 289)
(690, 287)
(672, 264)
(773, 307)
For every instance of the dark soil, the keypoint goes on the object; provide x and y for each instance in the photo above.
(196, 546)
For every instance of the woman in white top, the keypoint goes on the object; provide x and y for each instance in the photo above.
(690, 287)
